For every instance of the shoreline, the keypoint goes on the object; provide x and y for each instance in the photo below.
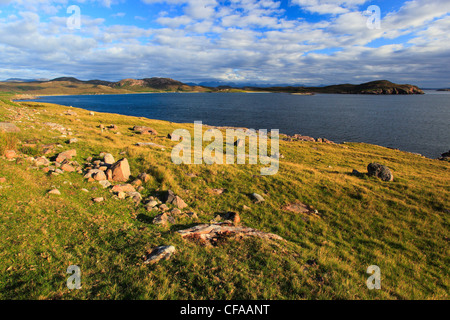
(283, 136)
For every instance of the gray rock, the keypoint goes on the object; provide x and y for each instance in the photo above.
(380, 171)
(258, 197)
(105, 183)
(163, 219)
(160, 253)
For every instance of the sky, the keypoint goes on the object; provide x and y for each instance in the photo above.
(297, 42)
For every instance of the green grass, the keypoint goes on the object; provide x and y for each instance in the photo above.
(401, 226)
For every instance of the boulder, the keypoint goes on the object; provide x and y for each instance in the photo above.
(121, 170)
(41, 161)
(163, 219)
(66, 155)
(160, 253)
(97, 200)
(123, 188)
(108, 159)
(67, 167)
(380, 171)
(105, 183)
(99, 176)
(145, 130)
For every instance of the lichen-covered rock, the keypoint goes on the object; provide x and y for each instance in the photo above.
(380, 171)
(160, 253)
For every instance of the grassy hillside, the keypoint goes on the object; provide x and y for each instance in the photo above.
(401, 226)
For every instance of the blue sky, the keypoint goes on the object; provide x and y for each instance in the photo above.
(307, 42)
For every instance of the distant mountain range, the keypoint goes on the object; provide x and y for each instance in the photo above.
(70, 85)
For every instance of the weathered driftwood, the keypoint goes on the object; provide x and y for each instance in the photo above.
(213, 232)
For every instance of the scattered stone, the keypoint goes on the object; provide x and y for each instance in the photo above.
(136, 196)
(144, 177)
(175, 200)
(98, 200)
(123, 188)
(211, 233)
(10, 154)
(41, 161)
(121, 170)
(244, 207)
(380, 171)
(298, 207)
(2, 180)
(233, 217)
(8, 127)
(55, 192)
(163, 219)
(160, 253)
(136, 183)
(163, 207)
(109, 175)
(192, 215)
(108, 159)
(91, 113)
(105, 183)
(99, 176)
(121, 195)
(217, 191)
(66, 155)
(175, 212)
(85, 190)
(73, 140)
(145, 130)
(67, 167)
(258, 197)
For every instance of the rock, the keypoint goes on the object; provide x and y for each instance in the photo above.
(121, 195)
(113, 127)
(175, 212)
(10, 154)
(91, 172)
(145, 130)
(233, 217)
(41, 161)
(298, 207)
(258, 197)
(108, 159)
(136, 183)
(55, 192)
(67, 167)
(85, 190)
(163, 207)
(380, 171)
(2, 180)
(91, 113)
(136, 196)
(144, 177)
(210, 233)
(175, 200)
(160, 253)
(445, 156)
(105, 183)
(192, 215)
(98, 200)
(123, 188)
(8, 127)
(304, 138)
(356, 172)
(163, 219)
(66, 155)
(247, 208)
(121, 170)
(73, 140)
(109, 175)
(99, 176)
(217, 191)
(152, 203)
